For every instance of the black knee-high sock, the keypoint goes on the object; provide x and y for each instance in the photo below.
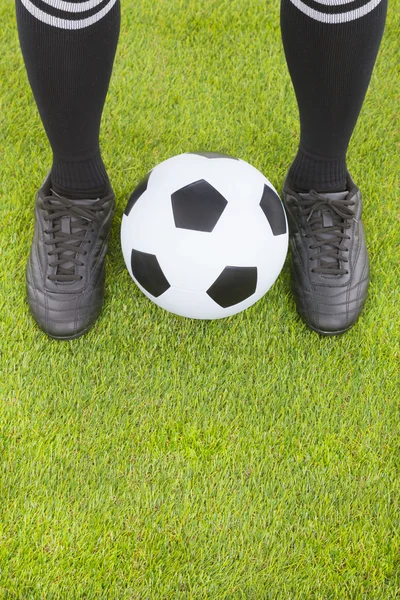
(330, 48)
(69, 49)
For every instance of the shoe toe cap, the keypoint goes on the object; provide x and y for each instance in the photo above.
(60, 328)
(331, 324)
(331, 319)
(64, 317)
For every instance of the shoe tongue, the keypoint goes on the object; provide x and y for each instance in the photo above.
(85, 202)
(331, 195)
(327, 220)
(326, 214)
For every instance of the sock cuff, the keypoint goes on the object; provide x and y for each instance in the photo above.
(310, 171)
(83, 176)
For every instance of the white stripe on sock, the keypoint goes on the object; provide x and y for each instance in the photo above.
(73, 7)
(66, 7)
(344, 17)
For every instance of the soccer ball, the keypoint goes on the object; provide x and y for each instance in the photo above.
(204, 235)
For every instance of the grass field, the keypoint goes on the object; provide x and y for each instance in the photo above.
(162, 458)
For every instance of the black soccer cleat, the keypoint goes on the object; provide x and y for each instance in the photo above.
(66, 267)
(329, 260)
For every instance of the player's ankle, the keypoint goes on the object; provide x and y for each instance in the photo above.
(77, 179)
(322, 174)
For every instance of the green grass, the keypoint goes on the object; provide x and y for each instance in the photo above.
(162, 458)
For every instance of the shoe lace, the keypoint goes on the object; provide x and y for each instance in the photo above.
(326, 222)
(71, 221)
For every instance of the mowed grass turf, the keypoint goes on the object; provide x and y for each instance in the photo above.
(163, 458)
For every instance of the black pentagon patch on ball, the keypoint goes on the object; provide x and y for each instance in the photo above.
(273, 210)
(214, 155)
(138, 191)
(146, 269)
(197, 206)
(234, 285)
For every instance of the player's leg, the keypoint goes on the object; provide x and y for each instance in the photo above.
(69, 49)
(330, 47)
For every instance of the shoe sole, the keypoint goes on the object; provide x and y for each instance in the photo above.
(329, 333)
(70, 337)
